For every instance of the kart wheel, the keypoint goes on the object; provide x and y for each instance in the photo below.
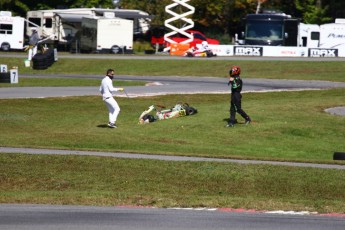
(190, 111)
(190, 54)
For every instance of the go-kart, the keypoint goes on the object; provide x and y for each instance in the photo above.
(179, 110)
(192, 52)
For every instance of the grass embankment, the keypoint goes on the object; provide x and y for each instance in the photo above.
(64, 82)
(286, 126)
(108, 181)
(303, 70)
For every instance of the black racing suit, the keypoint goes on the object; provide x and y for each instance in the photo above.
(236, 98)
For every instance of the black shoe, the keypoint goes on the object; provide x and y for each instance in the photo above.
(248, 120)
(229, 125)
(112, 125)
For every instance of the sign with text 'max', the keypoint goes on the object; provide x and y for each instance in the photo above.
(248, 51)
(318, 52)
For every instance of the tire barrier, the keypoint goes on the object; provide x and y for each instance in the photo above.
(339, 156)
(5, 77)
(9, 77)
(43, 60)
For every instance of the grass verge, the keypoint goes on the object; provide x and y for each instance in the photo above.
(91, 180)
(303, 70)
(286, 126)
(65, 82)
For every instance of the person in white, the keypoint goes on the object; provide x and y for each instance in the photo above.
(107, 90)
(33, 41)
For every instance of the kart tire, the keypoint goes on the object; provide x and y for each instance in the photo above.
(190, 54)
(339, 156)
(209, 54)
(190, 111)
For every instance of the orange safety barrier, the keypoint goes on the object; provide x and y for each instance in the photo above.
(178, 49)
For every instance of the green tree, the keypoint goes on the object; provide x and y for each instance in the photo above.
(313, 11)
(15, 6)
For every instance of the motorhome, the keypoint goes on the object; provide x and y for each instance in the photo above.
(282, 30)
(63, 24)
(11, 31)
(272, 29)
(107, 34)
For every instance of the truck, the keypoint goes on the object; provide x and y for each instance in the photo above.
(11, 31)
(64, 24)
(107, 34)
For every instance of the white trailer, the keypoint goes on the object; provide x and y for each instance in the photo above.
(308, 35)
(332, 35)
(106, 35)
(11, 31)
(65, 23)
(327, 36)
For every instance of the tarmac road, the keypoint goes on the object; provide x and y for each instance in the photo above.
(48, 217)
(166, 85)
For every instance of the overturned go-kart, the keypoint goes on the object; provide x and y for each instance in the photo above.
(179, 110)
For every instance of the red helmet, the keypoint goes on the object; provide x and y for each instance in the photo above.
(235, 70)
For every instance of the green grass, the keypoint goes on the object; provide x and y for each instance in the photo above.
(304, 70)
(91, 180)
(286, 126)
(61, 82)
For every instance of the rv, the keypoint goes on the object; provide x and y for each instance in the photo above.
(272, 29)
(11, 31)
(332, 35)
(279, 29)
(107, 34)
(63, 24)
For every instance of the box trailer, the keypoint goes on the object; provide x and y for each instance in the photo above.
(106, 35)
(11, 31)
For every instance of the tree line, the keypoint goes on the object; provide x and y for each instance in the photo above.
(218, 16)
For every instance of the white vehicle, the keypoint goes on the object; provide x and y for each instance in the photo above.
(106, 35)
(332, 35)
(65, 23)
(11, 31)
(309, 35)
(328, 36)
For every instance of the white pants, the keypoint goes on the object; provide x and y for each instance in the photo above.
(32, 52)
(113, 108)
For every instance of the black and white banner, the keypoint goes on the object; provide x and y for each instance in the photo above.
(318, 52)
(248, 51)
